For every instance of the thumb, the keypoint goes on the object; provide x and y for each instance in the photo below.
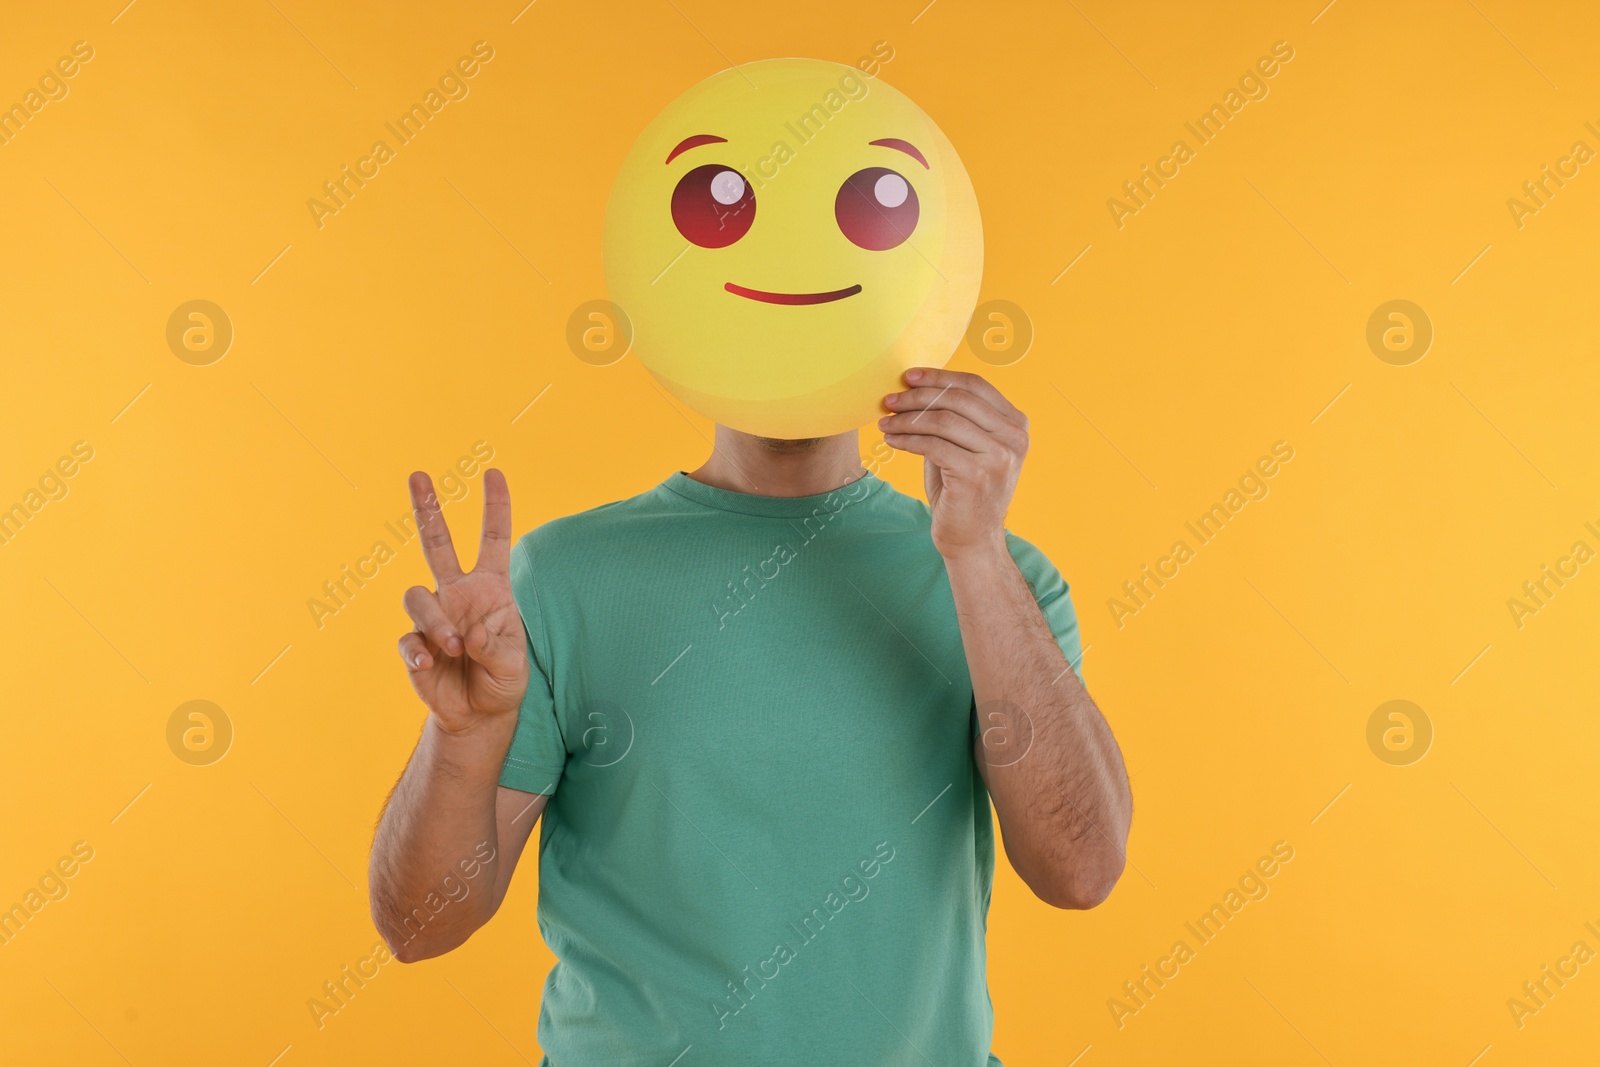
(495, 652)
(478, 643)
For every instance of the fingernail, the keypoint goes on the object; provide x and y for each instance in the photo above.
(913, 375)
(891, 400)
(883, 422)
(454, 645)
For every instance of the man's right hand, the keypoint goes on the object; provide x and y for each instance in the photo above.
(468, 654)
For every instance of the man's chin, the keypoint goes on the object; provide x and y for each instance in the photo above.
(786, 446)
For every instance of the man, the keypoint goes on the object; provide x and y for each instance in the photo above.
(762, 709)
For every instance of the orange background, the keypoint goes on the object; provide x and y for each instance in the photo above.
(1229, 313)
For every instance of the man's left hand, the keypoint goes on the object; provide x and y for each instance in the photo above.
(973, 441)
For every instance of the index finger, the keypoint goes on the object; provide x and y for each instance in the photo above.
(437, 548)
(972, 383)
(494, 550)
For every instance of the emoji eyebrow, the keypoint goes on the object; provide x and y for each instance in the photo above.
(695, 142)
(902, 146)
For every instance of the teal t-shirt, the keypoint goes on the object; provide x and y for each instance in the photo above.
(767, 841)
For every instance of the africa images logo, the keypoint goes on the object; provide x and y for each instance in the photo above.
(852, 887)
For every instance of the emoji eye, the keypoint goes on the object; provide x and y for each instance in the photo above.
(713, 206)
(876, 208)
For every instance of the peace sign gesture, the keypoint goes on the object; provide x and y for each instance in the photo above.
(467, 656)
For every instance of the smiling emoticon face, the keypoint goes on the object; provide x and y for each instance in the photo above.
(788, 237)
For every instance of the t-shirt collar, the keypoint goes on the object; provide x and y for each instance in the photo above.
(772, 506)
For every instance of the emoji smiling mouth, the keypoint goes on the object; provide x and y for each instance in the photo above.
(792, 298)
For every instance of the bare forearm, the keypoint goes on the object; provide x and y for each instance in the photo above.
(1047, 754)
(439, 825)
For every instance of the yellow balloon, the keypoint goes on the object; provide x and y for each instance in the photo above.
(787, 238)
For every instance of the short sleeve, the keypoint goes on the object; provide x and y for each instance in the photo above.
(538, 752)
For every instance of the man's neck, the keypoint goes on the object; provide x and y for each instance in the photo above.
(744, 463)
